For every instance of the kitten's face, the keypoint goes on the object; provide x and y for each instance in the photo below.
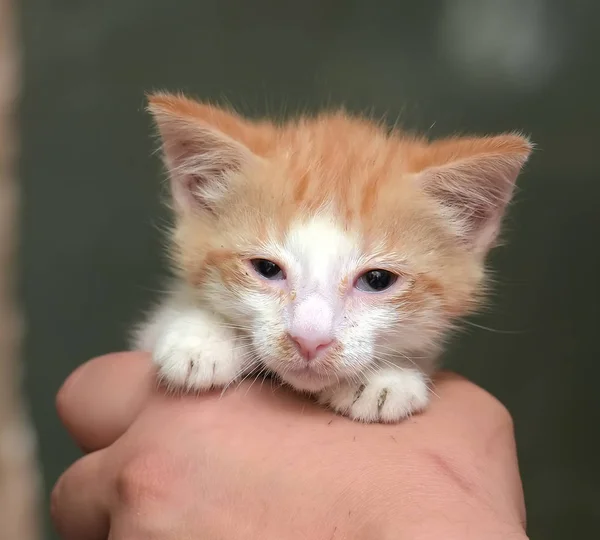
(331, 245)
(320, 303)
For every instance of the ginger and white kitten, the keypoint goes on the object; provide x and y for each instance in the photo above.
(329, 250)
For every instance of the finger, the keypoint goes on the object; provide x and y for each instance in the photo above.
(101, 398)
(465, 415)
(79, 501)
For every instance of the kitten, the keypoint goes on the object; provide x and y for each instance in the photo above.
(328, 250)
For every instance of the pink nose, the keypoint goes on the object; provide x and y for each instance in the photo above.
(309, 347)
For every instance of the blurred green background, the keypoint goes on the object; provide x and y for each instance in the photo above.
(91, 257)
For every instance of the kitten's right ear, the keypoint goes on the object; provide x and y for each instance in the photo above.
(199, 156)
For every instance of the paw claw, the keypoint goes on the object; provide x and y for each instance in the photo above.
(389, 396)
(196, 362)
(381, 399)
(359, 392)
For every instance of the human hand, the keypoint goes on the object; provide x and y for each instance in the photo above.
(262, 462)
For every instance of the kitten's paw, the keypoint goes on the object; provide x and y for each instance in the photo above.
(197, 360)
(389, 395)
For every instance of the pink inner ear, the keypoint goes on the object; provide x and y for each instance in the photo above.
(476, 192)
(186, 192)
(200, 161)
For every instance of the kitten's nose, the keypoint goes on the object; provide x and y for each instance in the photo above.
(309, 347)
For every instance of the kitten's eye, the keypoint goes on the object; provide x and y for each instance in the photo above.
(268, 269)
(376, 281)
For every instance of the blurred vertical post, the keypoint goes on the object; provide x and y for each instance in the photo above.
(19, 479)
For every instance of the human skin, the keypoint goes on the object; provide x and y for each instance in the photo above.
(260, 462)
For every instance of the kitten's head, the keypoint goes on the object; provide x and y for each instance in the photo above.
(330, 242)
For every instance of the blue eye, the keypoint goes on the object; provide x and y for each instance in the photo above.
(268, 269)
(376, 280)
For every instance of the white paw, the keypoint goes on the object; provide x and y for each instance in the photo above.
(390, 395)
(196, 358)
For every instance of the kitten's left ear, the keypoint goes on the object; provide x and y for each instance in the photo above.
(473, 179)
(200, 149)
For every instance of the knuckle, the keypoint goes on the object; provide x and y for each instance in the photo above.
(146, 478)
(496, 412)
(505, 419)
(500, 416)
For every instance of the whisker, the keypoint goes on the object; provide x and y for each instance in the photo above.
(494, 330)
